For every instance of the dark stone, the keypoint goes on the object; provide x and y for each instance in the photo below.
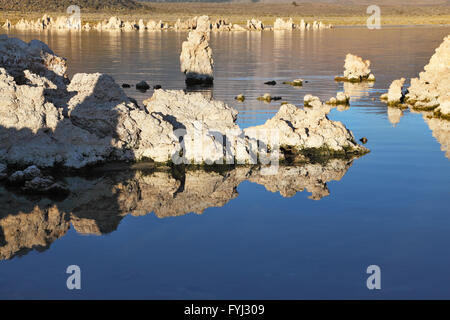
(142, 86)
(270, 83)
(126, 85)
(156, 87)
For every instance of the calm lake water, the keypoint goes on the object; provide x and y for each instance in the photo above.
(307, 232)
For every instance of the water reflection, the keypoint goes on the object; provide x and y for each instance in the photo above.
(441, 132)
(100, 200)
(394, 115)
(357, 91)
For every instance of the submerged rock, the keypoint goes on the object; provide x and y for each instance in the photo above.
(196, 54)
(143, 86)
(295, 83)
(356, 70)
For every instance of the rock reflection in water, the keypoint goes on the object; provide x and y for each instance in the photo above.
(441, 132)
(358, 90)
(97, 204)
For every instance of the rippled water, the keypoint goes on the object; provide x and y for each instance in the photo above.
(308, 232)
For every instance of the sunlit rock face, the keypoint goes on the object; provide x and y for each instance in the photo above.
(280, 24)
(47, 120)
(395, 93)
(201, 123)
(309, 128)
(434, 82)
(17, 56)
(356, 69)
(196, 54)
(255, 24)
(97, 204)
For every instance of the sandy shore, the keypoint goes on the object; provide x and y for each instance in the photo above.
(336, 14)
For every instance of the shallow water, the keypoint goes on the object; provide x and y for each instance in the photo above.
(308, 232)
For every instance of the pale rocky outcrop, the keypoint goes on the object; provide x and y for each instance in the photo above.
(202, 123)
(46, 120)
(35, 56)
(302, 25)
(255, 24)
(188, 24)
(356, 69)
(429, 91)
(302, 129)
(196, 54)
(311, 101)
(130, 26)
(221, 25)
(280, 24)
(141, 25)
(153, 25)
(237, 27)
(7, 25)
(341, 98)
(114, 23)
(395, 94)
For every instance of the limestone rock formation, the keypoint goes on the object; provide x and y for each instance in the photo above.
(433, 84)
(280, 24)
(308, 132)
(196, 54)
(255, 24)
(395, 94)
(311, 101)
(341, 98)
(45, 120)
(356, 70)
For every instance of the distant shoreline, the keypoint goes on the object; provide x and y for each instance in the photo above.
(239, 13)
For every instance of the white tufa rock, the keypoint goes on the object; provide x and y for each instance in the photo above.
(357, 69)
(280, 24)
(395, 93)
(196, 54)
(429, 91)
